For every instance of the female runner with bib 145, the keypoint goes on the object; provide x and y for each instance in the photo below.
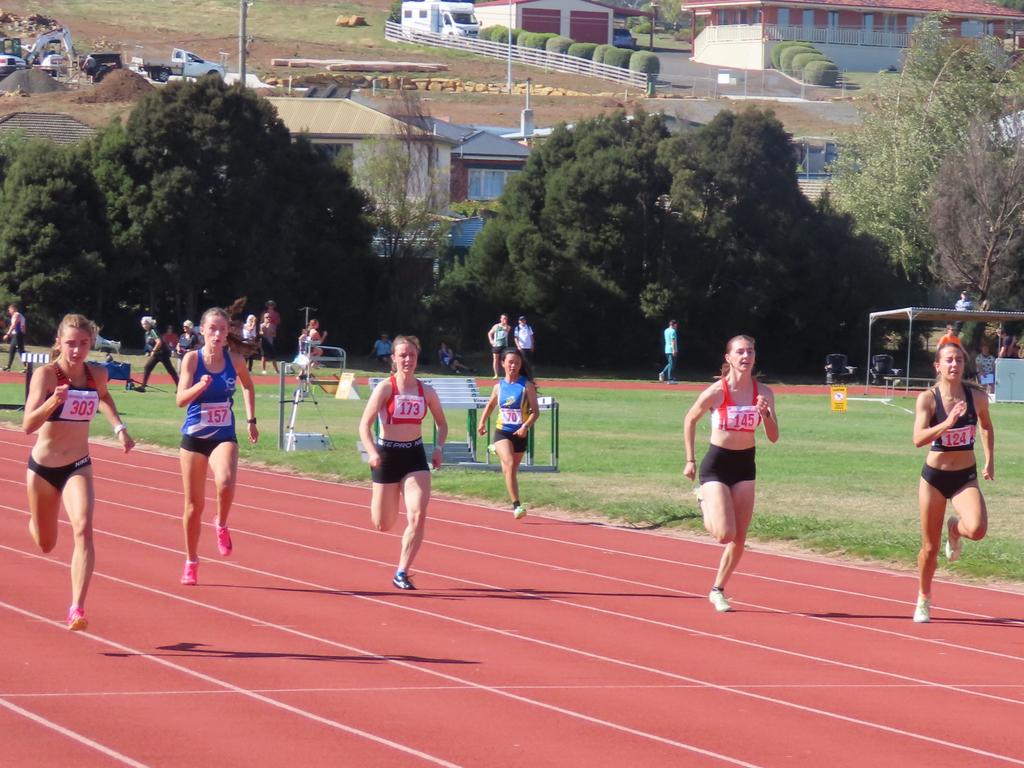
(737, 405)
(63, 397)
(209, 376)
(515, 397)
(947, 416)
(397, 459)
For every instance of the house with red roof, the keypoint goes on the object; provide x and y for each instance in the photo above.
(858, 35)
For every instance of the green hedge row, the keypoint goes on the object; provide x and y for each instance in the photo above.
(637, 61)
(806, 62)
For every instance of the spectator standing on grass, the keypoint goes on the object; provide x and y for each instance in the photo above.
(188, 340)
(950, 336)
(157, 351)
(268, 334)
(170, 340)
(500, 339)
(737, 405)
(15, 334)
(63, 398)
(525, 341)
(671, 338)
(948, 417)
(985, 364)
(1007, 344)
(382, 350)
(250, 335)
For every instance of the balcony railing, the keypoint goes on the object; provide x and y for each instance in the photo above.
(736, 33)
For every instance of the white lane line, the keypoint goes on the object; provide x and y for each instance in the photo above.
(597, 575)
(904, 604)
(74, 735)
(517, 687)
(534, 640)
(228, 686)
(281, 476)
(355, 650)
(691, 631)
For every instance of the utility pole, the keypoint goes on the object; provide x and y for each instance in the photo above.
(243, 11)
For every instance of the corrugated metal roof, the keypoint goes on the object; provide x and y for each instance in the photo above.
(339, 118)
(464, 231)
(52, 126)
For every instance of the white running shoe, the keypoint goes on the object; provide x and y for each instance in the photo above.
(719, 600)
(954, 541)
(923, 611)
(518, 511)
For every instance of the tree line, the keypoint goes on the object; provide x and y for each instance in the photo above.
(613, 227)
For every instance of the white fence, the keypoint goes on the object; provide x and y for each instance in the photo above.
(735, 33)
(557, 62)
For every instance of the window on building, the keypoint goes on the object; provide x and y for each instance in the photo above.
(783, 17)
(423, 14)
(487, 184)
(833, 19)
(406, 14)
(912, 22)
(972, 28)
(723, 17)
(869, 22)
(337, 152)
(809, 19)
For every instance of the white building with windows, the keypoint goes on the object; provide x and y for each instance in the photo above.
(858, 35)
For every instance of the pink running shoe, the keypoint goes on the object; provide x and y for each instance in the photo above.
(223, 540)
(76, 619)
(190, 577)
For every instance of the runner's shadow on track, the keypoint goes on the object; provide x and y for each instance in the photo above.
(546, 594)
(203, 651)
(415, 594)
(677, 516)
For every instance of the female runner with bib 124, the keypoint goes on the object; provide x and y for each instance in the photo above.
(947, 416)
(209, 376)
(737, 405)
(397, 459)
(63, 397)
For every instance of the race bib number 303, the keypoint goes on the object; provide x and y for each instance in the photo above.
(81, 405)
(215, 414)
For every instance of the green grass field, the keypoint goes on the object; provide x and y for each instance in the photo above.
(838, 484)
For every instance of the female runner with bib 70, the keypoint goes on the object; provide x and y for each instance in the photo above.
(948, 416)
(737, 405)
(397, 459)
(63, 398)
(207, 389)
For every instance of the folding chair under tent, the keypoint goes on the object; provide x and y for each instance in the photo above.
(933, 314)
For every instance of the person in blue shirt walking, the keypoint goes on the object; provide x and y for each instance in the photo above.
(671, 352)
(207, 388)
(515, 397)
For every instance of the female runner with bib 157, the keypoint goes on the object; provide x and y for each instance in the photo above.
(209, 376)
(397, 459)
(737, 405)
(63, 397)
(947, 416)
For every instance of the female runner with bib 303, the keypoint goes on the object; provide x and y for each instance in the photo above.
(209, 376)
(397, 460)
(737, 405)
(63, 397)
(515, 397)
(948, 416)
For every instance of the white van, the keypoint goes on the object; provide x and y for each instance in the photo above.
(440, 18)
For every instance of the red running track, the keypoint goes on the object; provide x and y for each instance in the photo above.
(534, 643)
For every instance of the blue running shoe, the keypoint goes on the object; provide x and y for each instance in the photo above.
(401, 581)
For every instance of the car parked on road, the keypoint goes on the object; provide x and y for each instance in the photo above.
(622, 38)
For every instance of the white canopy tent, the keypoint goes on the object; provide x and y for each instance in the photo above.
(933, 314)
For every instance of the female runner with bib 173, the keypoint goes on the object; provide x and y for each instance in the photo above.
(209, 376)
(947, 416)
(397, 460)
(63, 397)
(737, 405)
